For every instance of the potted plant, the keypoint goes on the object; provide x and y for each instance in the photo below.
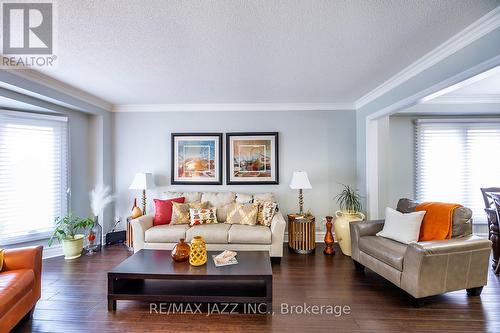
(349, 202)
(66, 233)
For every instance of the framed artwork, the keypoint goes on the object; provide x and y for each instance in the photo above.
(252, 158)
(196, 159)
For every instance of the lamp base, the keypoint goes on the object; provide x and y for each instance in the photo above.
(143, 202)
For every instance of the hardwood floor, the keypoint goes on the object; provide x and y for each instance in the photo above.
(74, 300)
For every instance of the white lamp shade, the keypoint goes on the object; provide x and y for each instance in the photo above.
(300, 181)
(142, 181)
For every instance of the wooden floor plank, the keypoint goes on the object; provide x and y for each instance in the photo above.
(74, 300)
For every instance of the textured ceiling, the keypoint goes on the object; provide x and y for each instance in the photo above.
(235, 51)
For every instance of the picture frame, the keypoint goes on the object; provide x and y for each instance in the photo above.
(252, 158)
(196, 158)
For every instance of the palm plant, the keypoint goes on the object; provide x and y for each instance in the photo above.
(349, 199)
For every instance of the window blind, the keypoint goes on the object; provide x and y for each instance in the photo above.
(454, 159)
(33, 174)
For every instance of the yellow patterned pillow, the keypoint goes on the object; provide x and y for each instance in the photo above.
(243, 213)
(1, 259)
(180, 211)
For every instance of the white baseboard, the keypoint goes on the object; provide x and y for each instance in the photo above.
(53, 251)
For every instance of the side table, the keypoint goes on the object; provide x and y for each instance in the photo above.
(301, 233)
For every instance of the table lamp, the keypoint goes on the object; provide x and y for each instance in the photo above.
(143, 181)
(300, 182)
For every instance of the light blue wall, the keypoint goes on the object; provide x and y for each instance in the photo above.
(322, 143)
(481, 50)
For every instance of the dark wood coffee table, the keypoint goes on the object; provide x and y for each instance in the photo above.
(152, 276)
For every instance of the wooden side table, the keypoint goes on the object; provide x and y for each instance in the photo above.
(301, 233)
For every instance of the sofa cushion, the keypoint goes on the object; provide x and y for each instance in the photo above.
(249, 234)
(243, 214)
(244, 197)
(267, 209)
(180, 212)
(401, 227)
(212, 233)
(14, 285)
(203, 216)
(462, 217)
(166, 233)
(220, 200)
(268, 196)
(163, 210)
(188, 196)
(386, 250)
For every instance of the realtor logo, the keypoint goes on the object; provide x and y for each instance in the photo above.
(27, 28)
(28, 34)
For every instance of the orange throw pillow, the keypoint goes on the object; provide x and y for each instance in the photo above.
(438, 220)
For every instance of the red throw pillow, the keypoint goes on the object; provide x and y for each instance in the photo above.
(163, 210)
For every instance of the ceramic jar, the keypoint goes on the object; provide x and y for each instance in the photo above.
(198, 254)
(342, 230)
(181, 251)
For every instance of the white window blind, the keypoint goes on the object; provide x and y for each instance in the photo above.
(33, 174)
(454, 159)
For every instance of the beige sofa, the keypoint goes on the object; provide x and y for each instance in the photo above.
(219, 236)
(425, 268)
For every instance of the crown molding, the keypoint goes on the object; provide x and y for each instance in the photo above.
(234, 107)
(473, 32)
(465, 99)
(42, 80)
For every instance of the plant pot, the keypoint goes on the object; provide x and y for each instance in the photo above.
(342, 229)
(72, 248)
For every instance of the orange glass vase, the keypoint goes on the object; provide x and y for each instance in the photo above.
(181, 251)
(329, 250)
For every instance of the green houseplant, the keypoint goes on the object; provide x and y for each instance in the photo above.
(349, 199)
(349, 202)
(66, 232)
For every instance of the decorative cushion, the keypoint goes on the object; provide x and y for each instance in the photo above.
(243, 214)
(211, 233)
(203, 216)
(189, 196)
(166, 233)
(403, 228)
(244, 198)
(221, 200)
(163, 210)
(462, 217)
(267, 209)
(180, 213)
(249, 234)
(263, 197)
